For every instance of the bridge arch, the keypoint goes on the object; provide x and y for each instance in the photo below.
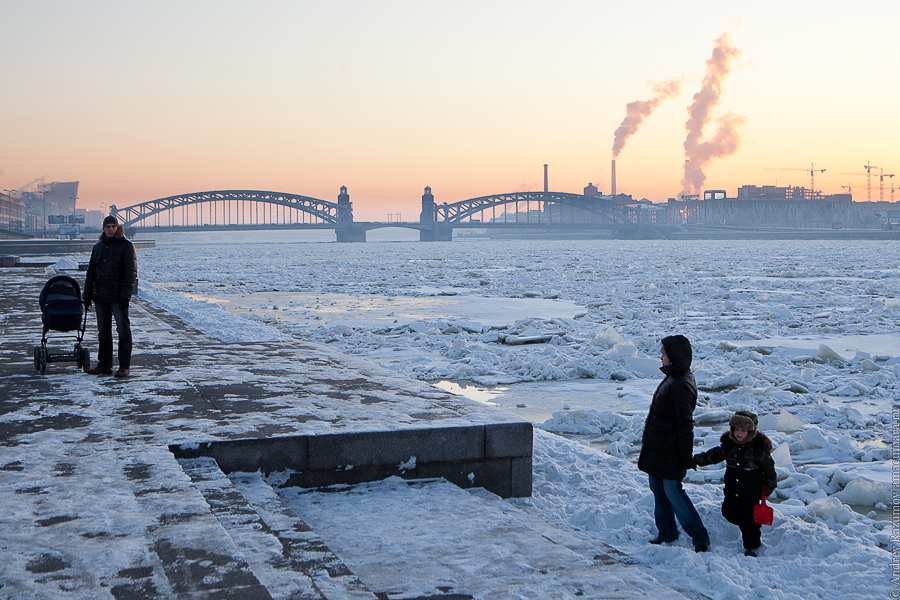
(555, 208)
(234, 203)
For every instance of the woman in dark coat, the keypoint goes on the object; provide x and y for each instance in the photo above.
(667, 445)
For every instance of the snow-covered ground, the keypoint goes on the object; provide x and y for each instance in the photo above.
(803, 333)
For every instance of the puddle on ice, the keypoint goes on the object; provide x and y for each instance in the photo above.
(538, 400)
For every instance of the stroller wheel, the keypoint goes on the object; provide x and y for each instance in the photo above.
(77, 354)
(40, 359)
(85, 359)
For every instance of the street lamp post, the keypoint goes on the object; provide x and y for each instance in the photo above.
(44, 200)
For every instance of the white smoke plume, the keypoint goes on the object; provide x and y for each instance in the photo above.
(637, 111)
(725, 142)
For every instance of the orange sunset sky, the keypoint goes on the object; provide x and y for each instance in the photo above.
(141, 100)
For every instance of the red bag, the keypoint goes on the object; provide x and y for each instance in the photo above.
(762, 513)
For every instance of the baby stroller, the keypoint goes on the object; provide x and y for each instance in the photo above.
(62, 310)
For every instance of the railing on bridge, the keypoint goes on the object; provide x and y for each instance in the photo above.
(551, 208)
(227, 207)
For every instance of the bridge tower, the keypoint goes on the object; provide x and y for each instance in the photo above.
(345, 207)
(436, 232)
(427, 215)
(346, 230)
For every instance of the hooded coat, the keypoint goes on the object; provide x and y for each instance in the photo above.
(668, 441)
(749, 466)
(112, 269)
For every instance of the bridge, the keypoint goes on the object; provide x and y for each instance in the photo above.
(252, 209)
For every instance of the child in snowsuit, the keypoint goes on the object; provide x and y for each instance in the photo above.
(749, 472)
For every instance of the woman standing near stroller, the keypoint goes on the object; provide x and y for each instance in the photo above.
(109, 283)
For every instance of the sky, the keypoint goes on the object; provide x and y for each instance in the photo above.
(139, 101)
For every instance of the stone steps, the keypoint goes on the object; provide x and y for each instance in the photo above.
(289, 559)
(408, 540)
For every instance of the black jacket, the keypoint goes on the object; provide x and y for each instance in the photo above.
(668, 442)
(112, 269)
(749, 467)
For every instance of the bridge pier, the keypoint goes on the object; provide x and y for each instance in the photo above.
(354, 232)
(439, 233)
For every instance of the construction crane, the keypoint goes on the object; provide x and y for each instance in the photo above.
(868, 189)
(892, 183)
(868, 175)
(812, 174)
(881, 177)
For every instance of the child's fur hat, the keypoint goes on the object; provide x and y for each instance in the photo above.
(744, 419)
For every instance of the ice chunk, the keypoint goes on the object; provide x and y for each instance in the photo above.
(808, 374)
(846, 390)
(712, 417)
(813, 439)
(780, 312)
(868, 365)
(621, 351)
(854, 416)
(827, 353)
(787, 423)
(727, 382)
(848, 442)
(782, 457)
(648, 367)
(585, 421)
(829, 509)
(608, 338)
(891, 303)
(457, 349)
(470, 326)
(865, 492)
(418, 326)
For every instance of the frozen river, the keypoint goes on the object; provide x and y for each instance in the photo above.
(415, 307)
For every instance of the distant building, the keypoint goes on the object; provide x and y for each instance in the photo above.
(591, 190)
(63, 195)
(12, 213)
(92, 218)
(772, 206)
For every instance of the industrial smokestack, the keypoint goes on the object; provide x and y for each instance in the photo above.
(613, 192)
(546, 187)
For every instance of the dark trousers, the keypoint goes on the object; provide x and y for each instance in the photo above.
(105, 313)
(739, 510)
(671, 502)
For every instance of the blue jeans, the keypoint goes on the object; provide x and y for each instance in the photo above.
(671, 502)
(105, 313)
